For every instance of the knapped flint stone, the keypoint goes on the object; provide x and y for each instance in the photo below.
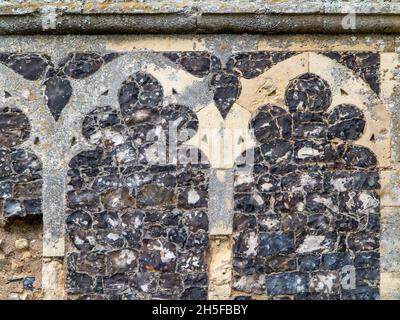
(305, 181)
(336, 260)
(277, 151)
(153, 216)
(362, 293)
(5, 163)
(29, 190)
(318, 222)
(244, 298)
(158, 256)
(79, 282)
(308, 92)
(367, 259)
(346, 122)
(251, 202)
(79, 219)
(268, 183)
(155, 231)
(91, 158)
(58, 92)
(14, 208)
(197, 241)
(117, 283)
(252, 64)
(246, 243)
(138, 204)
(33, 206)
(244, 222)
(316, 131)
(346, 224)
(321, 203)
(197, 63)
(106, 220)
(374, 223)
(89, 263)
(280, 263)
(310, 151)
(226, 90)
(359, 202)
(287, 283)
(325, 282)
(369, 277)
(306, 116)
(189, 198)
(139, 91)
(338, 181)
(170, 281)
(9, 136)
(191, 261)
(118, 199)
(270, 123)
(28, 283)
(293, 221)
(366, 180)
(316, 296)
(248, 265)
(171, 218)
(152, 195)
(196, 220)
(83, 199)
(133, 238)
(194, 177)
(195, 293)
(31, 66)
(308, 262)
(347, 129)
(269, 222)
(5, 188)
(318, 180)
(24, 162)
(104, 183)
(121, 261)
(14, 127)
(288, 202)
(165, 179)
(365, 240)
(359, 157)
(195, 279)
(254, 283)
(272, 243)
(145, 281)
(132, 219)
(110, 239)
(81, 65)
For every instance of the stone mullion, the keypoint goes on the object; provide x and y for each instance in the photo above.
(220, 213)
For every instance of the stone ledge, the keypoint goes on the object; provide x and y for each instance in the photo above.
(186, 16)
(182, 23)
(19, 7)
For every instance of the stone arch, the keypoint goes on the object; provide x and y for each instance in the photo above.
(346, 87)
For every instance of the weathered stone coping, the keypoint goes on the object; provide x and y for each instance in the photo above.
(167, 16)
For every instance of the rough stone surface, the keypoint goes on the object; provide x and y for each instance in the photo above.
(303, 222)
(20, 170)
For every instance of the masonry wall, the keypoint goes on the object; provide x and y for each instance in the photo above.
(283, 182)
